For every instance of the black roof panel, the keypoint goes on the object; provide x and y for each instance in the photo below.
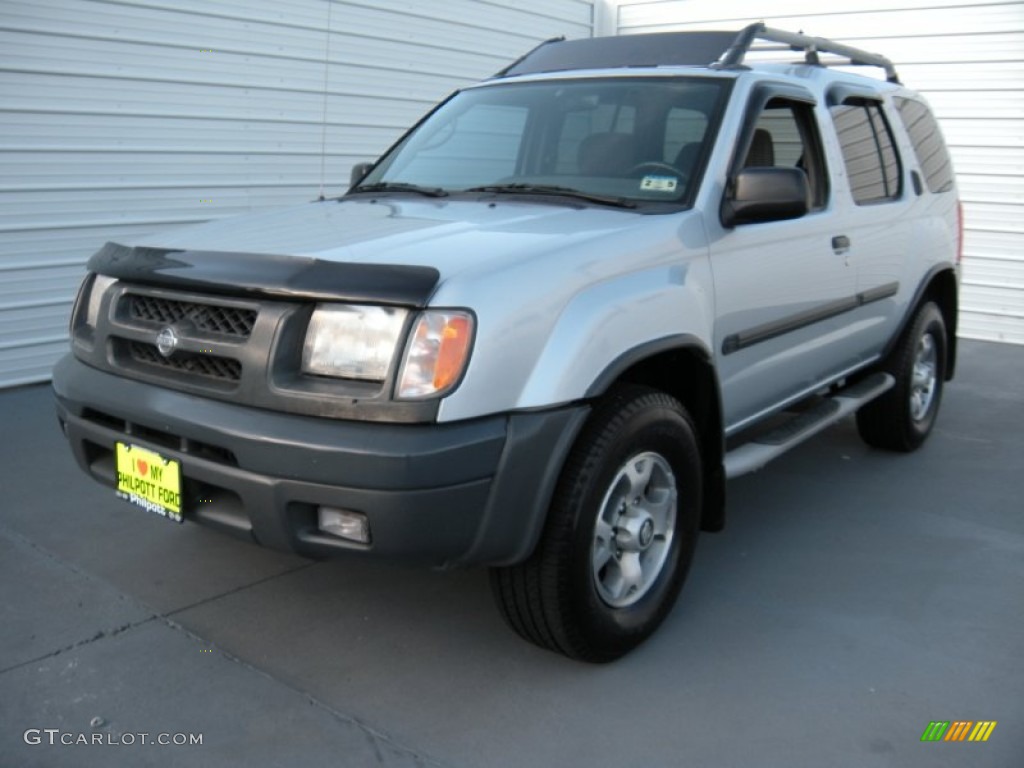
(661, 49)
(723, 50)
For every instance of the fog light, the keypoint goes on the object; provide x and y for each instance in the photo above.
(345, 524)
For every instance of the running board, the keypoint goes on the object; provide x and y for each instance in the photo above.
(762, 449)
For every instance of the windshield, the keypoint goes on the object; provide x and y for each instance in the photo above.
(607, 140)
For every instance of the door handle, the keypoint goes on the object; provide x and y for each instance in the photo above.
(840, 244)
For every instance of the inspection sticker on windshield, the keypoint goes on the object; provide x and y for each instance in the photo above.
(148, 480)
(659, 183)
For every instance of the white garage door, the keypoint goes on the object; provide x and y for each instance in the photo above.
(121, 118)
(967, 58)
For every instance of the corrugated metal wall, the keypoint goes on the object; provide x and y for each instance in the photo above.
(967, 58)
(119, 118)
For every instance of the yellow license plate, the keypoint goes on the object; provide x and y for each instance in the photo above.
(148, 480)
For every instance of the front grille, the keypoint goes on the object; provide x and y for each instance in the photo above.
(211, 366)
(211, 318)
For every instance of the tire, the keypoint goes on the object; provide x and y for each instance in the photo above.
(608, 568)
(902, 418)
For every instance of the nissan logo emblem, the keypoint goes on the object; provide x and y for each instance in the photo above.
(167, 342)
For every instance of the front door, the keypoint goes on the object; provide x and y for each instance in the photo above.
(781, 287)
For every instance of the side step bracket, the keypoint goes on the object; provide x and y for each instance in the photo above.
(765, 447)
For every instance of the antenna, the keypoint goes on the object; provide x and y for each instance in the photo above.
(323, 121)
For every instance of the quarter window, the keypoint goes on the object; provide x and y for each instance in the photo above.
(929, 148)
(872, 164)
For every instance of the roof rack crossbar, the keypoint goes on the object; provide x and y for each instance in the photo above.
(810, 46)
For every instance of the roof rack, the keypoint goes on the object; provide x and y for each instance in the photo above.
(504, 71)
(721, 50)
(810, 46)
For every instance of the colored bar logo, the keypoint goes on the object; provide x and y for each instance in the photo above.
(958, 730)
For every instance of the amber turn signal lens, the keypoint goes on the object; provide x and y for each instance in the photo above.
(437, 353)
(453, 352)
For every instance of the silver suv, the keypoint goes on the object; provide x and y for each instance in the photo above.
(544, 328)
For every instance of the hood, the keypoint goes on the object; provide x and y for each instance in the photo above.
(446, 235)
(393, 251)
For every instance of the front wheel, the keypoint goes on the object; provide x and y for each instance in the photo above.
(620, 533)
(902, 418)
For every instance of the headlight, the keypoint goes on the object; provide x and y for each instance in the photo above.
(436, 354)
(90, 296)
(100, 284)
(351, 341)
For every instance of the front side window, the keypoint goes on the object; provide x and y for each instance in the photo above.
(872, 163)
(639, 140)
(786, 135)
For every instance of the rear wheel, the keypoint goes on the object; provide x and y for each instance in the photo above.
(620, 533)
(902, 418)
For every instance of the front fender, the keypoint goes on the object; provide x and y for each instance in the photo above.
(550, 324)
(603, 329)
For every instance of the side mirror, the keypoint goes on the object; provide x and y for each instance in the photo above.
(359, 171)
(765, 194)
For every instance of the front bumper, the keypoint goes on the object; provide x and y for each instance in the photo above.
(465, 493)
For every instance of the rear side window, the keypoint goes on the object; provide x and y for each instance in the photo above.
(930, 149)
(872, 164)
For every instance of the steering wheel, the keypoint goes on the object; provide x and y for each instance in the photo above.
(655, 165)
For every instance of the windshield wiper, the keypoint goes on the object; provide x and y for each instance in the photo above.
(399, 186)
(551, 189)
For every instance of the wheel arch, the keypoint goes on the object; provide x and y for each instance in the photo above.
(681, 366)
(943, 289)
(940, 285)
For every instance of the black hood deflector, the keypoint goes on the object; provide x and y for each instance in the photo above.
(240, 274)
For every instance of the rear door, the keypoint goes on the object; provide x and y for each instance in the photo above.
(874, 204)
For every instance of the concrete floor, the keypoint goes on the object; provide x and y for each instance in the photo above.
(854, 597)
